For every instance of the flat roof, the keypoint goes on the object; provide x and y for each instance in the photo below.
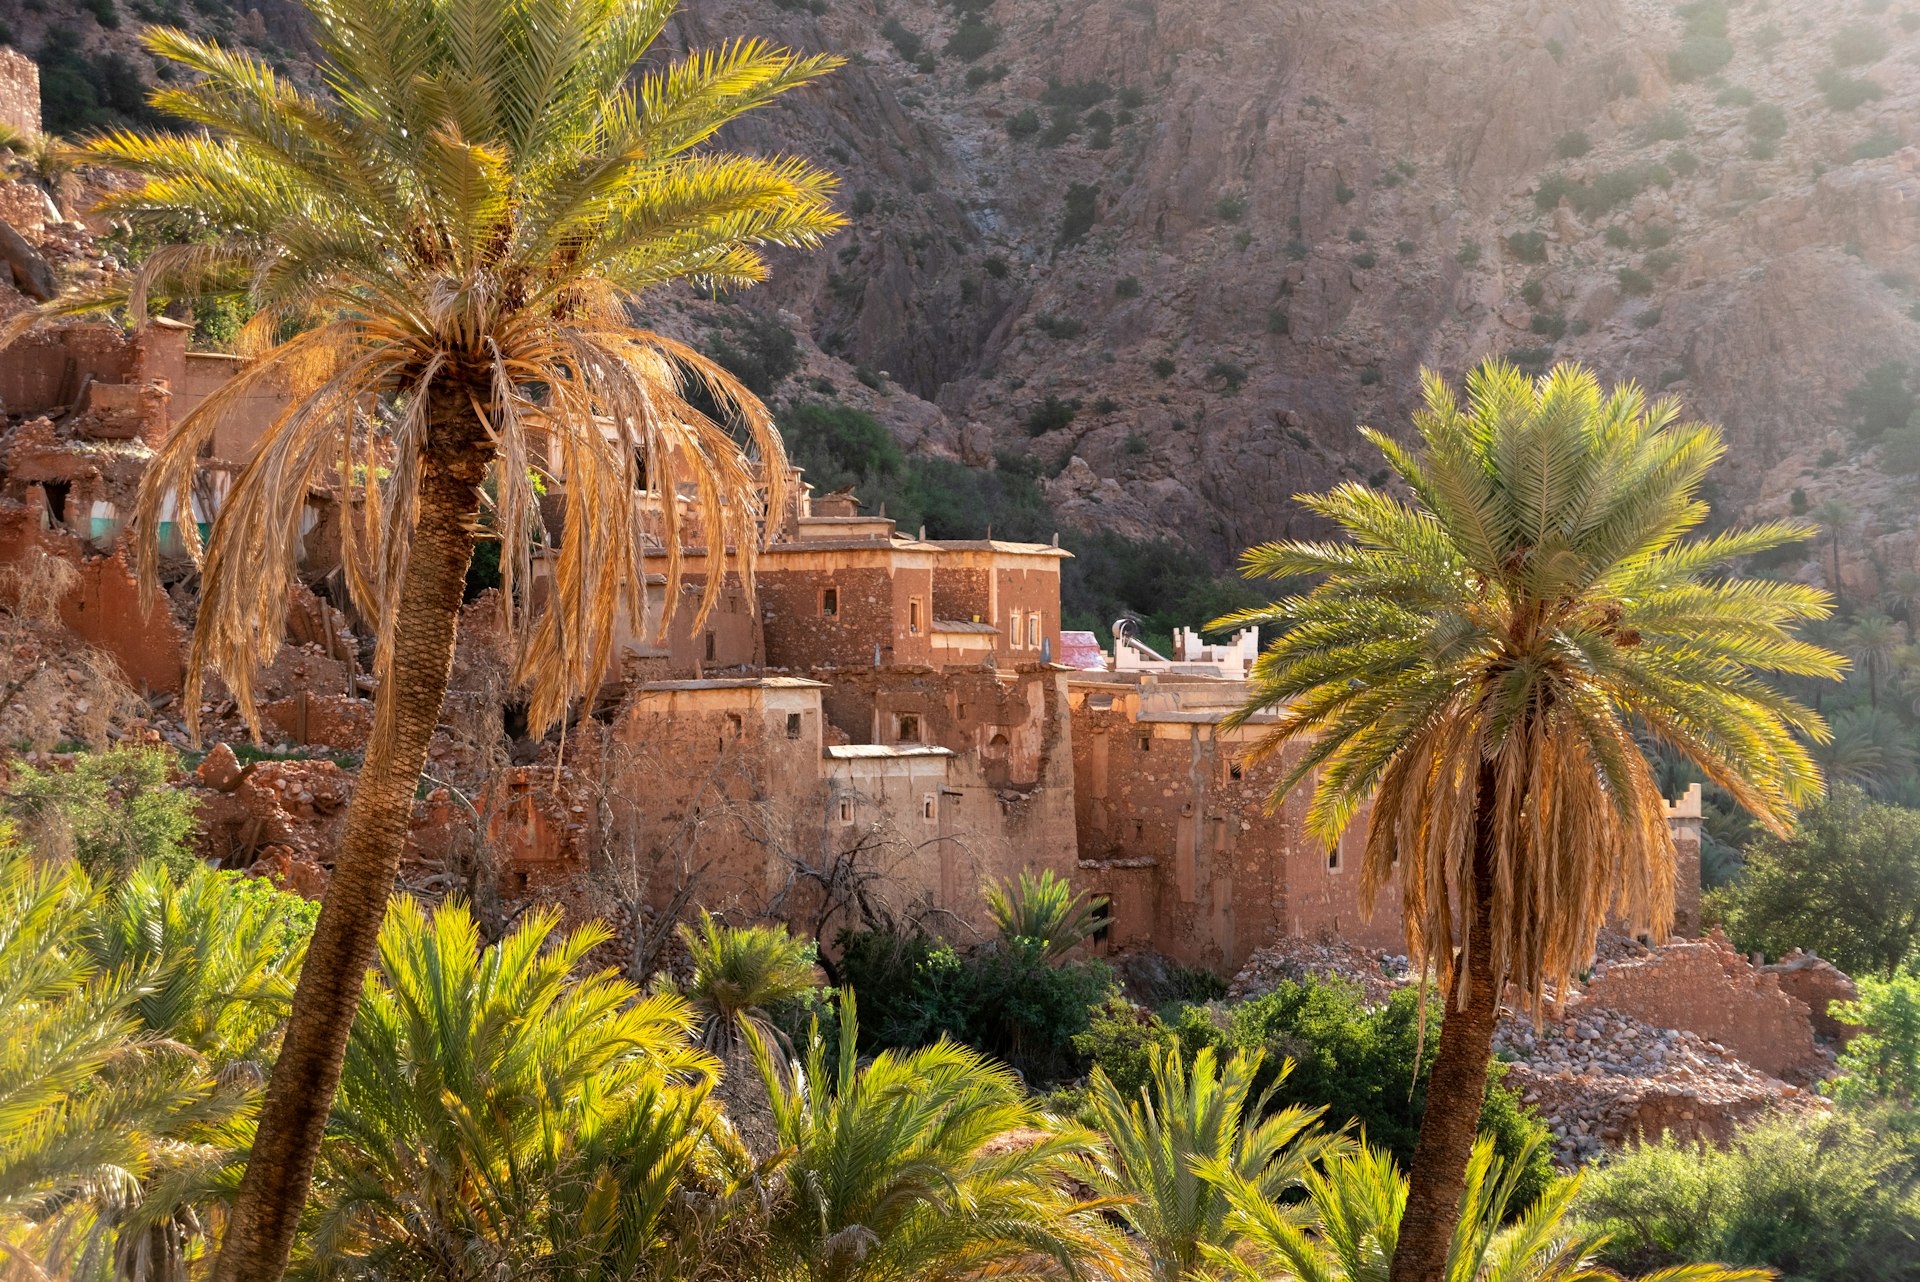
(964, 625)
(738, 683)
(883, 751)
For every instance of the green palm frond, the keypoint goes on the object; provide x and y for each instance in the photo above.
(1500, 635)
(738, 972)
(1044, 912)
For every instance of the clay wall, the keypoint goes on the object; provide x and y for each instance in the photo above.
(1703, 986)
(43, 371)
(870, 594)
(19, 92)
(104, 608)
(965, 591)
(204, 373)
(1032, 592)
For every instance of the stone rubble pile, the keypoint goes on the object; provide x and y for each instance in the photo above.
(1377, 973)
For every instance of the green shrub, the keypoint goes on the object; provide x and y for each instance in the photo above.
(1163, 366)
(995, 266)
(1881, 142)
(1619, 237)
(1230, 208)
(1277, 320)
(1669, 124)
(1404, 247)
(1846, 93)
(1528, 246)
(1358, 235)
(1534, 291)
(1059, 326)
(1899, 453)
(111, 811)
(1105, 405)
(973, 39)
(1699, 57)
(1230, 376)
(901, 38)
(758, 350)
(1882, 401)
(1369, 375)
(1554, 188)
(1683, 162)
(1549, 325)
(1050, 415)
(1734, 96)
(1647, 319)
(1556, 50)
(1882, 1062)
(1634, 281)
(1572, 144)
(1767, 121)
(1820, 1198)
(1079, 211)
(1657, 235)
(839, 445)
(1841, 886)
(1062, 125)
(1530, 360)
(1080, 94)
(1468, 255)
(1023, 124)
(1858, 43)
(1343, 193)
(1661, 261)
(1364, 259)
(1127, 287)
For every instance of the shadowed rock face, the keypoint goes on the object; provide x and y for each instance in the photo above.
(1287, 201)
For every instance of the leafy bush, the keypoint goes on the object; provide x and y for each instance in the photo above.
(1699, 57)
(1846, 93)
(1899, 453)
(1278, 321)
(1343, 193)
(1882, 1062)
(901, 38)
(1230, 208)
(1619, 237)
(1003, 998)
(1634, 281)
(1858, 43)
(1881, 142)
(1821, 1198)
(1551, 325)
(1841, 886)
(1882, 401)
(1354, 1060)
(1127, 287)
(1683, 162)
(1059, 326)
(1365, 259)
(1572, 144)
(1404, 247)
(111, 811)
(1669, 124)
(1023, 124)
(758, 350)
(1079, 95)
(1533, 291)
(1767, 121)
(1050, 415)
(1229, 375)
(1734, 96)
(1079, 210)
(1528, 246)
(1163, 366)
(1468, 255)
(1369, 375)
(973, 39)
(839, 445)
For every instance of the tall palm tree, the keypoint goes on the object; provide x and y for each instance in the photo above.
(500, 1114)
(1903, 594)
(1873, 640)
(1187, 1118)
(921, 1166)
(1867, 747)
(1476, 659)
(1350, 1224)
(441, 252)
(1834, 516)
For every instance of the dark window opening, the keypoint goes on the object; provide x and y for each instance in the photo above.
(1146, 743)
(513, 720)
(57, 499)
(1233, 771)
(908, 728)
(829, 602)
(1103, 918)
(793, 725)
(1333, 859)
(1139, 830)
(710, 647)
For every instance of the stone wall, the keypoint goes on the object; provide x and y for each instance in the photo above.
(19, 92)
(800, 635)
(104, 608)
(1704, 987)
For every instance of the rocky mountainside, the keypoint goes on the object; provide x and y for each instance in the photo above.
(1167, 255)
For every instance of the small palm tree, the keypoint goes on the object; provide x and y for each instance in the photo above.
(738, 973)
(1187, 1119)
(442, 252)
(1903, 595)
(922, 1166)
(496, 1107)
(1867, 747)
(1348, 1229)
(1044, 913)
(1834, 516)
(1873, 640)
(1476, 660)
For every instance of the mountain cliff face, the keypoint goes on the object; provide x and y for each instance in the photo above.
(1170, 253)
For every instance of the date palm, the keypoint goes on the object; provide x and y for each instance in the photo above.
(1873, 640)
(441, 251)
(1349, 1226)
(1477, 657)
(1187, 1118)
(1044, 912)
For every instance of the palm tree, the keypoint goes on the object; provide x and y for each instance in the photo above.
(1350, 1226)
(1834, 516)
(1476, 659)
(1874, 639)
(1903, 594)
(1044, 912)
(922, 1166)
(1867, 747)
(1184, 1121)
(497, 1108)
(441, 253)
(740, 971)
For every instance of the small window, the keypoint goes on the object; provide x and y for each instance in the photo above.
(1146, 743)
(1103, 919)
(1033, 632)
(829, 603)
(929, 807)
(1013, 629)
(710, 647)
(913, 616)
(733, 724)
(1333, 859)
(793, 725)
(1234, 771)
(1139, 830)
(907, 728)
(846, 810)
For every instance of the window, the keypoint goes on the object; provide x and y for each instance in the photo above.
(709, 647)
(1234, 770)
(913, 616)
(1033, 631)
(907, 728)
(829, 603)
(1333, 858)
(1139, 830)
(846, 810)
(929, 808)
(1013, 629)
(1103, 918)
(1146, 743)
(733, 724)
(793, 725)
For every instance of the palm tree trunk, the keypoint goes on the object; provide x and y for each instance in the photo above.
(300, 1092)
(1457, 1090)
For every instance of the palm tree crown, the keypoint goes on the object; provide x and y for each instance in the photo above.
(1481, 651)
(456, 233)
